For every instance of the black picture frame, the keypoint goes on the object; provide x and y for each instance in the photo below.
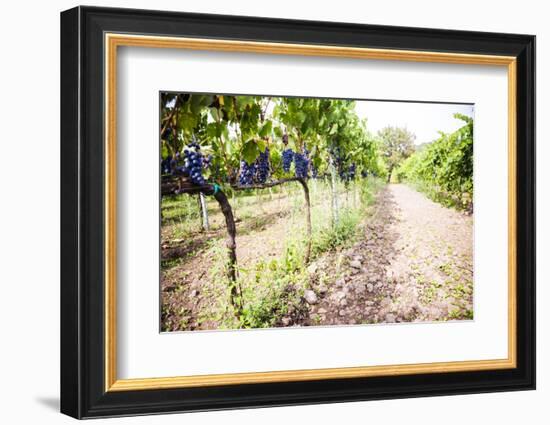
(83, 392)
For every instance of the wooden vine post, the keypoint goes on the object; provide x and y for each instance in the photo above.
(204, 212)
(307, 256)
(334, 193)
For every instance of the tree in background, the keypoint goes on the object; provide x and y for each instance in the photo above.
(397, 144)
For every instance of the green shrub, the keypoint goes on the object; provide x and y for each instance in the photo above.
(443, 169)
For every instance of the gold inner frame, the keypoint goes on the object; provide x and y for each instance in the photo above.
(113, 41)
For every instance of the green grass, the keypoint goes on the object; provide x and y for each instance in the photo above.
(169, 263)
(459, 314)
(328, 238)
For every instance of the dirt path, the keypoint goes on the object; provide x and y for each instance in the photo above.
(414, 264)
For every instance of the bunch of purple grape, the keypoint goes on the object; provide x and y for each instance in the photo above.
(193, 163)
(246, 174)
(338, 161)
(348, 174)
(343, 175)
(166, 165)
(167, 135)
(261, 166)
(288, 157)
(301, 163)
(257, 172)
(352, 170)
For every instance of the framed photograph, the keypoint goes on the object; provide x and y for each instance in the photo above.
(261, 212)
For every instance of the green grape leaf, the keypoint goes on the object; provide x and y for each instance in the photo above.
(250, 151)
(265, 130)
(261, 144)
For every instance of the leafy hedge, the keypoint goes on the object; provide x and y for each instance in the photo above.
(444, 168)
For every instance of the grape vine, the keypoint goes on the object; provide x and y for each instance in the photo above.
(212, 142)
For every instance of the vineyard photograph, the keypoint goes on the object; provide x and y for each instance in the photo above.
(292, 211)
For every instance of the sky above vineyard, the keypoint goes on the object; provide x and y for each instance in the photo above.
(425, 120)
